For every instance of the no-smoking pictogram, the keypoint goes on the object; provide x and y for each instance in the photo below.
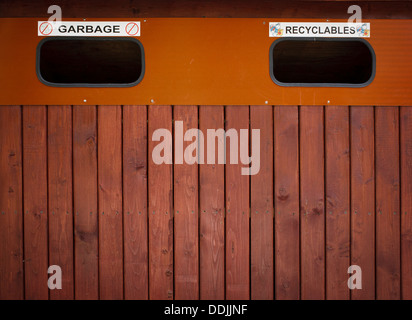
(132, 29)
(46, 28)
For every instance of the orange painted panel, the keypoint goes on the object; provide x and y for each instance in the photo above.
(213, 61)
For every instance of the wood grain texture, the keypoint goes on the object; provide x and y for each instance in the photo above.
(406, 200)
(86, 228)
(63, 166)
(337, 178)
(210, 9)
(212, 210)
(312, 202)
(287, 230)
(35, 202)
(186, 204)
(261, 190)
(363, 199)
(387, 203)
(135, 202)
(160, 212)
(59, 150)
(237, 212)
(11, 215)
(110, 202)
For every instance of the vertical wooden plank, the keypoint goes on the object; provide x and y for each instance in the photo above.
(86, 233)
(363, 199)
(11, 221)
(387, 203)
(35, 202)
(186, 227)
(135, 202)
(287, 245)
(262, 286)
(406, 200)
(312, 203)
(60, 197)
(110, 202)
(160, 209)
(212, 210)
(237, 212)
(337, 202)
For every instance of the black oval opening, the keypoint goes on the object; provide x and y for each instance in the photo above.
(90, 62)
(320, 62)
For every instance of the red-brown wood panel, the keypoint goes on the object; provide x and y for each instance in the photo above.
(137, 231)
(11, 221)
(86, 233)
(309, 9)
(363, 199)
(287, 234)
(59, 150)
(186, 239)
(406, 200)
(337, 180)
(110, 202)
(212, 209)
(35, 202)
(261, 189)
(237, 210)
(387, 203)
(135, 202)
(160, 208)
(312, 202)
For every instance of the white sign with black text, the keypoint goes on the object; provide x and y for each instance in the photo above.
(319, 29)
(90, 29)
